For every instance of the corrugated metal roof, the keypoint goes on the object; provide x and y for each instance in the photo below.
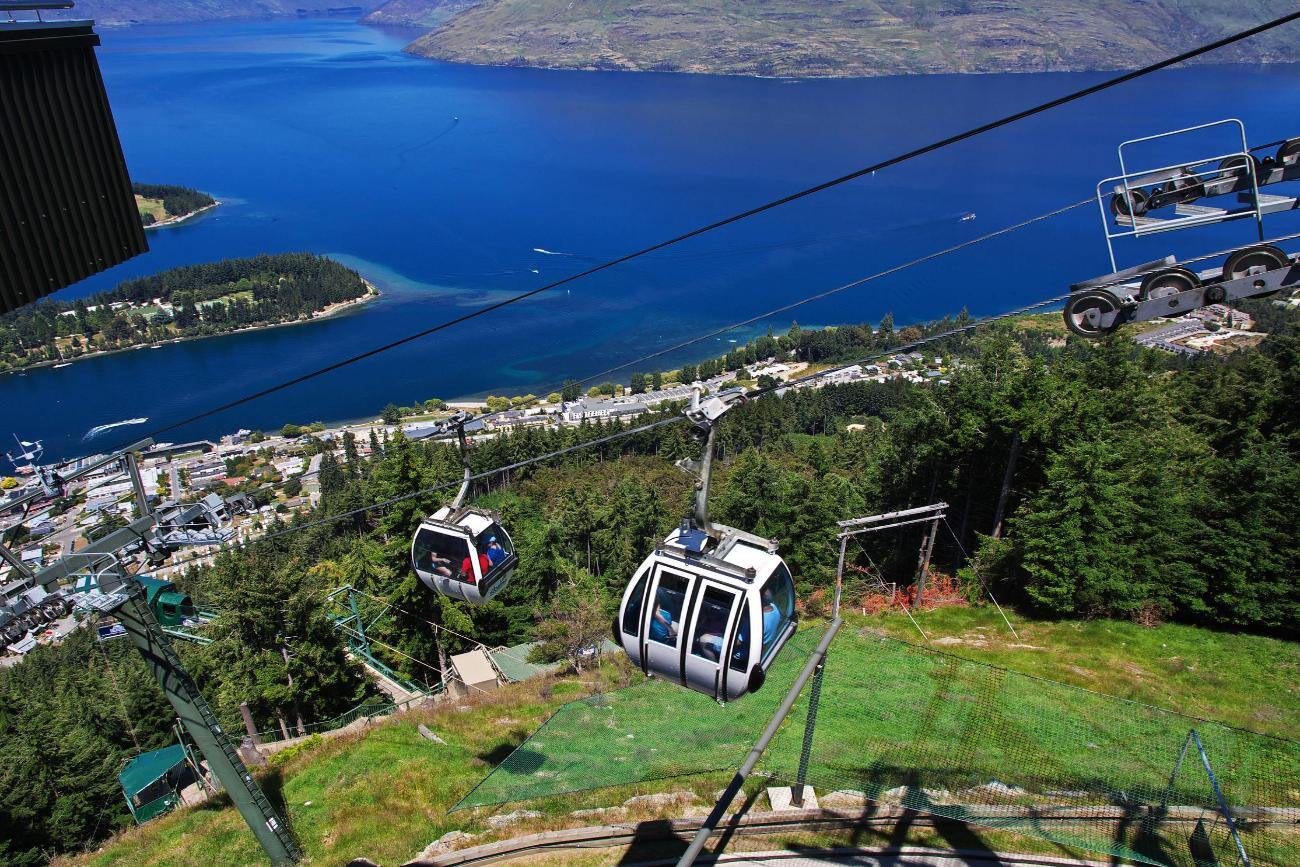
(66, 207)
(513, 661)
(514, 664)
(142, 770)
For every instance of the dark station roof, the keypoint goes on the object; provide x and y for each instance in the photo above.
(66, 208)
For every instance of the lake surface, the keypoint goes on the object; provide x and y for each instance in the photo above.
(451, 187)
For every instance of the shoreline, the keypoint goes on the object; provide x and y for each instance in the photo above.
(181, 218)
(373, 294)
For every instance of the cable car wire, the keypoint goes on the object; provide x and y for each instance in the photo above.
(854, 284)
(617, 435)
(754, 211)
(785, 308)
(436, 626)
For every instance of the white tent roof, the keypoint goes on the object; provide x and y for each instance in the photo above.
(474, 668)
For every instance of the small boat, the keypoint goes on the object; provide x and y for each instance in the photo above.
(968, 216)
(64, 364)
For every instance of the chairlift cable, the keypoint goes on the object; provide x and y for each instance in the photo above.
(953, 533)
(675, 419)
(888, 272)
(819, 296)
(973, 132)
(436, 626)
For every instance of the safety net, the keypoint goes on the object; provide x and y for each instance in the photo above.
(650, 731)
(902, 725)
(905, 725)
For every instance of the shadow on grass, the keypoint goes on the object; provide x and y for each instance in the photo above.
(272, 783)
(521, 759)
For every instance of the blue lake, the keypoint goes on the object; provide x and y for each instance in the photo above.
(451, 187)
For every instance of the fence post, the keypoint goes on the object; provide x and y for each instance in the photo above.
(742, 773)
(927, 546)
(1223, 804)
(1173, 778)
(809, 727)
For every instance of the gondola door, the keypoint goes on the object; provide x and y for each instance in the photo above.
(664, 619)
(704, 657)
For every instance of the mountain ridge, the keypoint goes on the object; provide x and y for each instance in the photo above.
(837, 38)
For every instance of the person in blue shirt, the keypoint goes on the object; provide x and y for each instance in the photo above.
(495, 552)
(771, 618)
(661, 624)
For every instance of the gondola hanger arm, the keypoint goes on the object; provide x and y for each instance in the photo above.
(704, 413)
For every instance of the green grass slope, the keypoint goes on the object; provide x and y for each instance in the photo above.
(813, 38)
(384, 793)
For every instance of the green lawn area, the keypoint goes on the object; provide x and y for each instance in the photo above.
(151, 206)
(1243, 680)
(934, 728)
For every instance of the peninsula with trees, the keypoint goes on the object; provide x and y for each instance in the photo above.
(182, 303)
(164, 205)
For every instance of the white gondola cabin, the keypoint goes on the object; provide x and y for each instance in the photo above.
(465, 554)
(709, 611)
(460, 551)
(711, 607)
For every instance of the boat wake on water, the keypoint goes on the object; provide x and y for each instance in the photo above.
(99, 429)
(545, 252)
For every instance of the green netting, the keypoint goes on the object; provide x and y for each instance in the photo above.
(905, 725)
(650, 731)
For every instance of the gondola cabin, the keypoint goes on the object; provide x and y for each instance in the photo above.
(463, 553)
(709, 611)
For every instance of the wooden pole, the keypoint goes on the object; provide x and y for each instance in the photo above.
(248, 723)
(1000, 511)
(927, 547)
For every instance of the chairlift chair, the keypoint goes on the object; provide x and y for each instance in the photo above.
(450, 550)
(723, 599)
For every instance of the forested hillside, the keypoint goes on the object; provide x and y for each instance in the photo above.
(812, 38)
(1140, 487)
(193, 301)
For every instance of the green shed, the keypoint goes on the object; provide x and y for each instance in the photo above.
(152, 781)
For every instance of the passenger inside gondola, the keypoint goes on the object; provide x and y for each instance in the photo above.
(668, 608)
(467, 567)
(778, 607)
(442, 554)
(495, 553)
(714, 611)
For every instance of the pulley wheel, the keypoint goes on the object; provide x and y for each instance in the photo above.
(1186, 182)
(1264, 257)
(1132, 203)
(1289, 154)
(1244, 262)
(1092, 314)
(1162, 284)
(1236, 167)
